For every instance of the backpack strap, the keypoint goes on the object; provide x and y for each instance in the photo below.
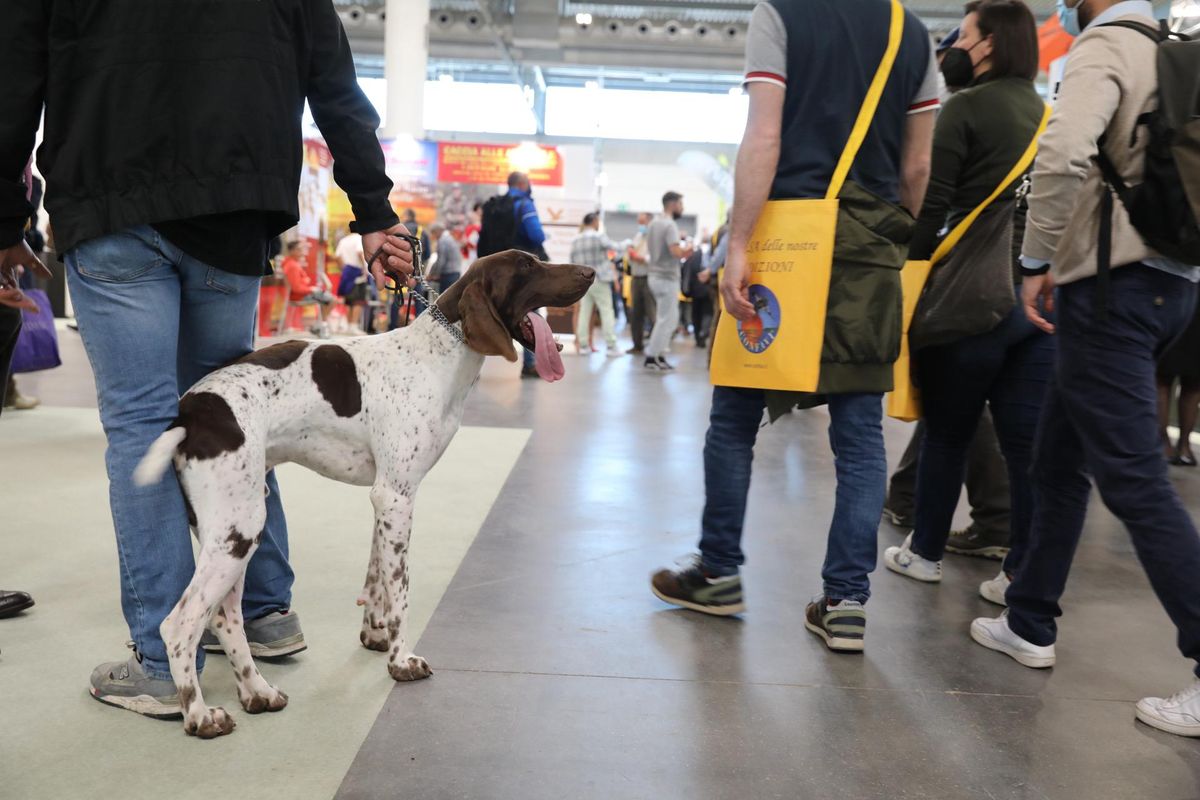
(1159, 35)
(866, 114)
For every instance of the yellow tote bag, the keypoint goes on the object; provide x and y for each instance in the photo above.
(790, 259)
(904, 402)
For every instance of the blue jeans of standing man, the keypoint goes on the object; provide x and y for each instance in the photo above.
(1008, 369)
(154, 321)
(856, 438)
(1101, 419)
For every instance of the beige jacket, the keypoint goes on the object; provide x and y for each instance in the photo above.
(1111, 80)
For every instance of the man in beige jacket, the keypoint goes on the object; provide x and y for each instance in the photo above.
(1100, 418)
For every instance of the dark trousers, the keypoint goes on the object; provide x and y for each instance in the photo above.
(1101, 419)
(643, 309)
(701, 317)
(10, 326)
(1007, 370)
(987, 479)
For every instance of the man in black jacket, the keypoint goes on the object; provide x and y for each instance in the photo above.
(172, 153)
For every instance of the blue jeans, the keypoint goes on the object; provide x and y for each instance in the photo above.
(856, 438)
(1008, 369)
(154, 321)
(1101, 420)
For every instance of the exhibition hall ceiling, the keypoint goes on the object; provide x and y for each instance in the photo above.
(695, 45)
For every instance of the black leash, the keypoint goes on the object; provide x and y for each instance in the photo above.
(426, 294)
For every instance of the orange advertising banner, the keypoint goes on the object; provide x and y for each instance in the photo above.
(459, 162)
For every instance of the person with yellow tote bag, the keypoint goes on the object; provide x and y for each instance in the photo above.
(972, 346)
(830, 331)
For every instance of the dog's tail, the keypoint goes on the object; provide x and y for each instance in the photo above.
(158, 457)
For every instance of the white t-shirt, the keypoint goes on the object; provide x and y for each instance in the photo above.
(350, 250)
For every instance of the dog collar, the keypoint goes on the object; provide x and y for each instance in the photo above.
(440, 318)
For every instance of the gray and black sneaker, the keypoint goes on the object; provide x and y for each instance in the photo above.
(841, 623)
(276, 635)
(979, 543)
(125, 685)
(689, 586)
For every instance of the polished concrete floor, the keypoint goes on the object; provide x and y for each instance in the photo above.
(558, 674)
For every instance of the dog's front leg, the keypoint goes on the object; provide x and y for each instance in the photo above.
(393, 528)
(254, 692)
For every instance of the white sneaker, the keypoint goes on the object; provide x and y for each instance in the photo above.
(614, 351)
(994, 634)
(1178, 714)
(993, 591)
(904, 561)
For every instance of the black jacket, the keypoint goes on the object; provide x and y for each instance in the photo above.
(160, 111)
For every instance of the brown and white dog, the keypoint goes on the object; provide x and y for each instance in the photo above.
(374, 411)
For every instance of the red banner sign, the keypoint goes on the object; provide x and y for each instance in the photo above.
(490, 163)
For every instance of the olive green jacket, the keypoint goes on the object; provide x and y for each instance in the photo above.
(865, 309)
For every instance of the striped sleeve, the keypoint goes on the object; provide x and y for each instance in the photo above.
(929, 95)
(766, 47)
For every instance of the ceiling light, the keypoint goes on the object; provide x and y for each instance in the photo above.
(583, 18)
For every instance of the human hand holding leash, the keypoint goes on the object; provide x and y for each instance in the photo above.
(396, 257)
(1033, 289)
(735, 285)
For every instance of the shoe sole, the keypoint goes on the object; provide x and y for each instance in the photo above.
(281, 649)
(899, 570)
(716, 611)
(1191, 732)
(143, 704)
(23, 607)
(982, 637)
(990, 553)
(897, 520)
(836, 643)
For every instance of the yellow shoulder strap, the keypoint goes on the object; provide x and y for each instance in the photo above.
(1026, 161)
(866, 114)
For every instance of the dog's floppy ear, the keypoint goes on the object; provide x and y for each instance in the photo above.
(482, 327)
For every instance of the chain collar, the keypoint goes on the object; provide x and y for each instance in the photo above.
(440, 318)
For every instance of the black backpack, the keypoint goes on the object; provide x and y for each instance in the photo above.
(1165, 206)
(497, 226)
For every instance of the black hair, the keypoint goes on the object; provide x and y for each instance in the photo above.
(1013, 29)
(671, 197)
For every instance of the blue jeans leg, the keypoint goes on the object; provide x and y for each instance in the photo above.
(127, 297)
(216, 326)
(856, 437)
(728, 455)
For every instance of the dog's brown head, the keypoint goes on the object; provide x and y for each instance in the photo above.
(497, 301)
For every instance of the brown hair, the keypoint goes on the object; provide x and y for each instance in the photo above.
(1014, 34)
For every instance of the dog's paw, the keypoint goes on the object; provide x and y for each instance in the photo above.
(212, 723)
(274, 700)
(374, 640)
(412, 668)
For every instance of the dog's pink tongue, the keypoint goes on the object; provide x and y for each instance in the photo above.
(545, 354)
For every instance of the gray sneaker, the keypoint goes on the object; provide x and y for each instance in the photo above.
(276, 635)
(125, 685)
(979, 543)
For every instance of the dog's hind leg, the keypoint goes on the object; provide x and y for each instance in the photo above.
(230, 519)
(374, 625)
(393, 528)
(254, 692)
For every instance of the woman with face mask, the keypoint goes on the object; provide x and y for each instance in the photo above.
(981, 135)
